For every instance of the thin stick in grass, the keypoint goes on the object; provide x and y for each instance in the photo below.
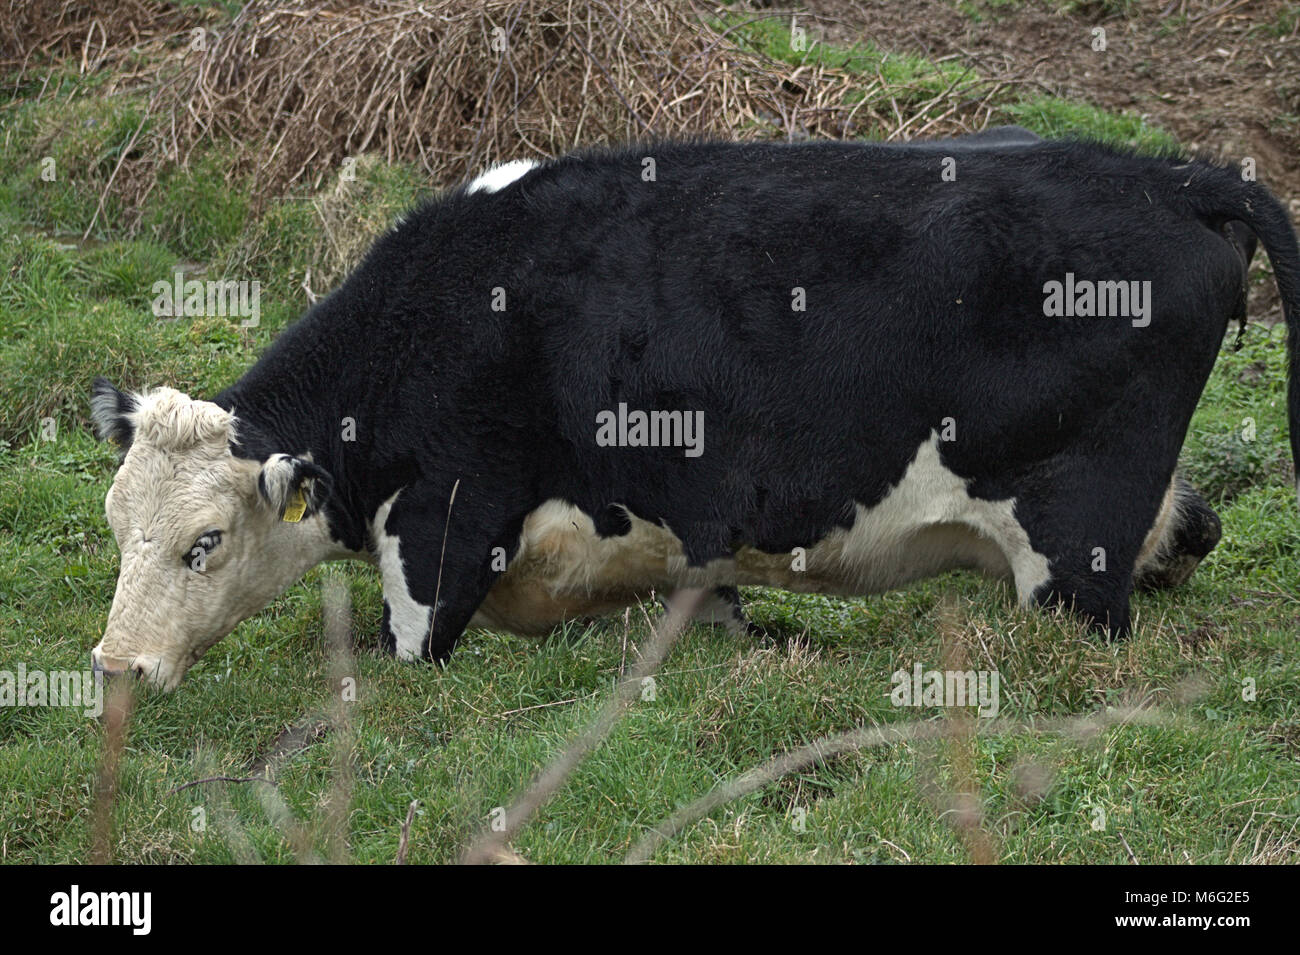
(117, 720)
(863, 737)
(492, 845)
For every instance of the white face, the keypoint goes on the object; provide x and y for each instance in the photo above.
(203, 547)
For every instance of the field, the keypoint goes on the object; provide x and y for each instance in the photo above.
(1198, 760)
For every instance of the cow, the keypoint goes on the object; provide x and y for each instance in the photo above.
(831, 367)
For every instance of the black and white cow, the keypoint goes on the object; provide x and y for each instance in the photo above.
(832, 367)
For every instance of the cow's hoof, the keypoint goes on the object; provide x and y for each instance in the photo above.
(1197, 533)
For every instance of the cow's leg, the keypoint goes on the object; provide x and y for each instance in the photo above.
(438, 567)
(721, 607)
(1185, 531)
(1091, 523)
(1101, 601)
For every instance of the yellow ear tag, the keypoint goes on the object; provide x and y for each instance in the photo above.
(296, 508)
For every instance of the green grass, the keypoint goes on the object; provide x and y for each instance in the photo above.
(198, 214)
(1218, 784)
(1284, 22)
(988, 11)
(913, 81)
(59, 152)
(1052, 116)
(1237, 441)
(318, 238)
(1098, 9)
(914, 75)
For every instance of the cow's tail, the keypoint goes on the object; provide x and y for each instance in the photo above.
(1224, 197)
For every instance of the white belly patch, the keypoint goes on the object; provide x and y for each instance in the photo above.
(925, 525)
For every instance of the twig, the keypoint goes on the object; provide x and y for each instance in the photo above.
(404, 840)
(442, 559)
(220, 779)
(103, 196)
(493, 845)
(850, 741)
(1129, 849)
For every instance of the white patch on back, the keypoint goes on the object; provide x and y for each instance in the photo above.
(500, 176)
(408, 619)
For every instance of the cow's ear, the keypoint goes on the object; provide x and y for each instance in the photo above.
(111, 410)
(293, 487)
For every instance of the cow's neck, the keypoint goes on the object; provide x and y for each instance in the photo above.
(292, 401)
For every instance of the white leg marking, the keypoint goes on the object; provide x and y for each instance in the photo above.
(997, 520)
(1153, 555)
(498, 177)
(408, 619)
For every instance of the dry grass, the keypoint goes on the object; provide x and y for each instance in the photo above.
(35, 31)
(454, 85)
(292, 90)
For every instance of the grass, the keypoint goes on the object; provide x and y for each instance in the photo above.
(988, 11)
(1052, 116)
(61, 149)
(1219, 783)
(913, 81)
(1285, 22)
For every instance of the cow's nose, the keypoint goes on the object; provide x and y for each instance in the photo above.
(107, 665)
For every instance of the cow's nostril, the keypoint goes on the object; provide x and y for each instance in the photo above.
(107, 666)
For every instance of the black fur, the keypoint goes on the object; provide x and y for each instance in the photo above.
(924, 301)
(109, 409)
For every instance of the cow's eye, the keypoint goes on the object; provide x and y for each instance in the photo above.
(197, 558)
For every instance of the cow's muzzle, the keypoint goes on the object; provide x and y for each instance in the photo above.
(111, 668)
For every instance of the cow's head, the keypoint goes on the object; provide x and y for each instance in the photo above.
(207, 536)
